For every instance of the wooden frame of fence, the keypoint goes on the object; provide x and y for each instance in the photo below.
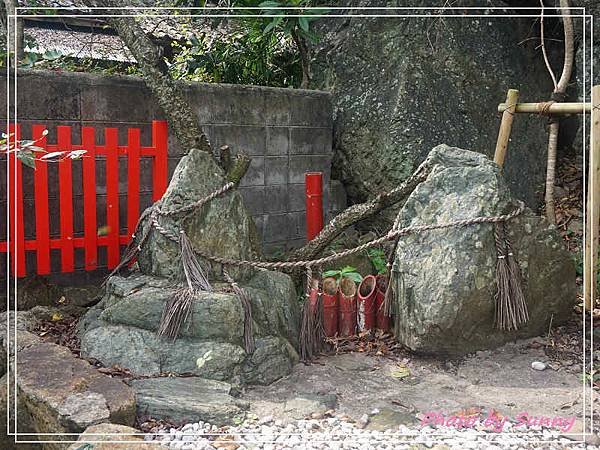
(17, 246)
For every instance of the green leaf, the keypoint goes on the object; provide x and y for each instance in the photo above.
(26, 158)
(51, 55)
(269, 4)
(331, 273)
(303, 24)
(276, 21)
(354, 276)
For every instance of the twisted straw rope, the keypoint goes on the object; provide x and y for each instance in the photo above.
(392, 234)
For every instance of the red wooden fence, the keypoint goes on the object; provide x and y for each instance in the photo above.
(90, 241)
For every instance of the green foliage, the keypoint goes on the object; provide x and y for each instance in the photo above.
(378, 259)
(249, 50)
(292, 26)
(246, 56)
(348, 272)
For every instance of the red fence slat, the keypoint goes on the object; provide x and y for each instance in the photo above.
(65, 190)
(42, 216)
(43, 243)
(17, 232)
(90, 226)
(133, 178)
(112, 196)
(159, 168)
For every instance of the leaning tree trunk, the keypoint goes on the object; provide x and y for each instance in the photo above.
(223, 227)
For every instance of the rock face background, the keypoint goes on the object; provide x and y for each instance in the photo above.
(446, 279)
(121, 329)
(404, 85)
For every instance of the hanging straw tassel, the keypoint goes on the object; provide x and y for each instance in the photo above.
(175, 313)
(178, 309)
(516, 291)
(247, 305)
(505, 314)
(306, 326)
(311, 328)
(194, 273)
(319, 331)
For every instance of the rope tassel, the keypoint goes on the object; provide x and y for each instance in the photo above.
(247, 305)
(311, 328)
(178, 309)
(176, 312)
(516, 291)
(511, 308)
(194, 273)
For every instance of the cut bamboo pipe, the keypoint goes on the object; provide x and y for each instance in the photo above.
(512, 97)
(554, 108)
(590, 254)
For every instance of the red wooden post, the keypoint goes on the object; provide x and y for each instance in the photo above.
(112, 196)
(159, 168)
(15, 192)
(65, 188)
(133, 179)
(42, 216)
(313, 182)
(90, 227)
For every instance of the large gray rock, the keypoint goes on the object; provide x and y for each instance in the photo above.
(446, 279)
(188, 399)
(63, 394)
(121, 329)
(223, 227)
(403, 85)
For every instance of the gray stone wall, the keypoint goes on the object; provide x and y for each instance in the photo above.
(287, 132)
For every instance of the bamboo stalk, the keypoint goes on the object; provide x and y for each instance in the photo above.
(590, 257)
(512, 97)
(553, 109)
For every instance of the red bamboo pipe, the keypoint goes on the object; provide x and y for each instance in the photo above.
(366, 304)
(382, 322)
(330, 306)
(347, 316)
(313, 183)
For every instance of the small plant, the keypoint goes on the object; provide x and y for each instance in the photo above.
(347, 272)
(378, 259)
(25, 150)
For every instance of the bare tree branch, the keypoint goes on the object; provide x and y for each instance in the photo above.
(362, 211)
(543, 45)
(558, 94)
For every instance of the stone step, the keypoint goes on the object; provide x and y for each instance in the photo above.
(188, 399)
(64, 394)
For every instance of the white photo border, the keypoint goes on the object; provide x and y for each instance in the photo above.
(434, 12)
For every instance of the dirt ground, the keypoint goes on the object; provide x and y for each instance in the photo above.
(397, 389)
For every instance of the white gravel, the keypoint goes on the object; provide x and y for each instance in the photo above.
(336, 433)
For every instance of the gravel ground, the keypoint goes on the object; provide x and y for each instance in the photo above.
(336, 433)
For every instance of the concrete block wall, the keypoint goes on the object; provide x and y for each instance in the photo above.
(287, 132)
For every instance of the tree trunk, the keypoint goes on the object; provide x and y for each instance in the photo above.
(304, 59)
(14, 46)
(182, 119)
(224, 227)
